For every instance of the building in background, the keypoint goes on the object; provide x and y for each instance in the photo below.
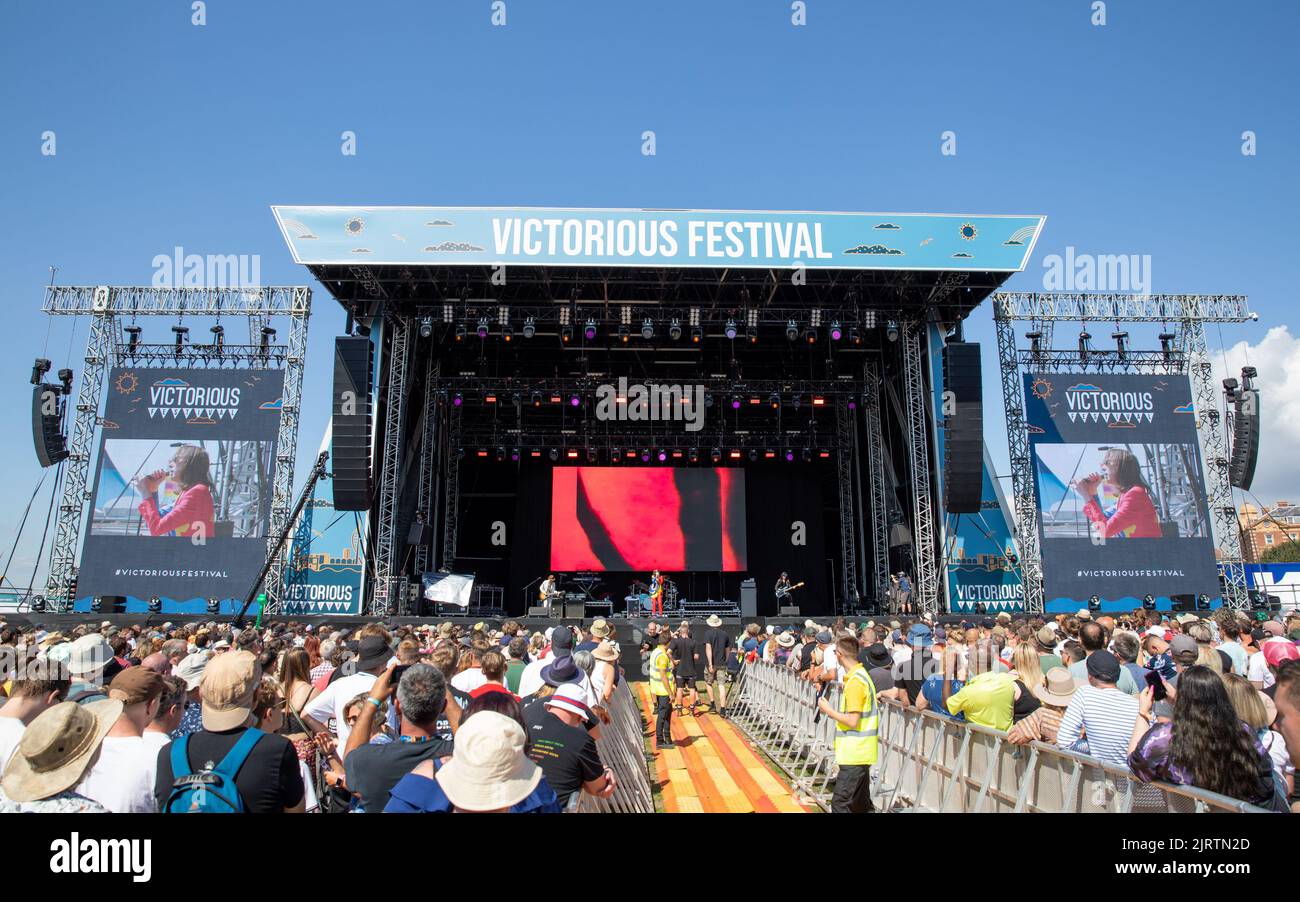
(1267, 527)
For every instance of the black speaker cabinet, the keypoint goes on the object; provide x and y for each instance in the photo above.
(47, 424)
(350, 445)
(792, 611)
(575, 611)
(963, 428)
(748, 599)
(539, 611)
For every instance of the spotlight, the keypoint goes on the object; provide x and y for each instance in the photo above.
(775, 400)
(753, 454)
(645, 455)
(1035, 343)
(426, 326)
(696, 334)
(1167, 340)
(553, 454)
(460, 332)
(514, 454)
(811, 335)
(1148, 603)
(855, 337)
(853, 405)
(807, 455)
(1094, 603)
(132, 337)
(663, 455)
(537, 399)
(891, 330)
(791, 330)
(730, 330)
(675, 329)
(530, 327)
(836, 331)
(589, 330)
(1084, 338)
(648, 329)
(96, 605)
(155, 605)
(623, 334)
(715, 455)
(591, 455)
(789, 455)
(482, 329)
(1121, 344)
(218, 336)
(457, 399)
(214, 606)
(181, 333)
(65, 376)
(507, 333)
(735, 402)
(571, 454)
(566, 334)
(268, 333)
(694, 455)
(501, 454)
(615, 455)
(574, 400)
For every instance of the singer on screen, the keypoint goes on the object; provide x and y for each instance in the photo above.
(1133, 515)
(193, 510)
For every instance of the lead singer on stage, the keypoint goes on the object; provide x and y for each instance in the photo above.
(656, 595)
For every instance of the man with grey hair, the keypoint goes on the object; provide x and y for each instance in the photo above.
(373, 770)
(329, 659)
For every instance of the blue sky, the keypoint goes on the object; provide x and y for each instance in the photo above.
(1127, 136)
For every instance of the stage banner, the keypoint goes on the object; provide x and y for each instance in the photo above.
(182, 498)
(1120, 490)
(983, 567)
(325, 567)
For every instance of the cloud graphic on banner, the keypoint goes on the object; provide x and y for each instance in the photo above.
(875, 250)
(1083, 386)
(453, 247)
(889, 225)
(271, 405)
(1185, 408)
(172, 382)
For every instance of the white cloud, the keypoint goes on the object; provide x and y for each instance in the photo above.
(1277, 357)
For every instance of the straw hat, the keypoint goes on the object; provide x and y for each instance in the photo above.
(785, 640)
(599, 629)
(714, 620)
(57, 748)
(1059, 689)
(488, 768)
(605, 651)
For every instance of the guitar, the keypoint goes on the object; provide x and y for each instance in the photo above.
(783, 593)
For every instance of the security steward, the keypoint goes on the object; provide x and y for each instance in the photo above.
(662, 688)
(856, 725)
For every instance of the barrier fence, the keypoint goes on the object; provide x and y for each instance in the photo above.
(622, 749)
(931, 763)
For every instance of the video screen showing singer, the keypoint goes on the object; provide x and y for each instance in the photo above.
(193, 511)
(1134, 515)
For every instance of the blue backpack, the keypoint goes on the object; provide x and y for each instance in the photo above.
(211, 790)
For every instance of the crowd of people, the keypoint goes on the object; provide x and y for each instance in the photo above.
(203, 717)
(1209, 701)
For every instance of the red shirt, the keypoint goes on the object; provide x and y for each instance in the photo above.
(492, 687)
(193, 510)
(1134, 516)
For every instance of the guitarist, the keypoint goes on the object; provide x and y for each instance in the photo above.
(656, 595)
(784, 588)
(547, 589)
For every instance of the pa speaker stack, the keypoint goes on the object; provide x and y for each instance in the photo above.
(963, 428)
(47, 424)
(1245, 437)
(350, 445)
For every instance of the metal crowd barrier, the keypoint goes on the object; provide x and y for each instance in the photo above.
(931, 763)
(622, 749)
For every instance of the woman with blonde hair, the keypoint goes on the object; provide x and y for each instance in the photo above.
(1252, 706)
(1026, 667)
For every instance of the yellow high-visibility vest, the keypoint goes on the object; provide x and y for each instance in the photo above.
(858, 745)
(661, 684)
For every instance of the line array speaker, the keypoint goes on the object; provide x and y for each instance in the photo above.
(350, 453)
(47, 424)
(963, 428)
(1245, 439)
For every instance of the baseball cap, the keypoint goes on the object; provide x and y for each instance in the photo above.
(570, 697)
(1277, 652)
(135, 685)
(562, 640)
(1104, 666)
(1184, 650)
(824, 637)
(229, 683)
(1274, 628)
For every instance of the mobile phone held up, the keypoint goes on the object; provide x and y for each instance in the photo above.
(1157, 684)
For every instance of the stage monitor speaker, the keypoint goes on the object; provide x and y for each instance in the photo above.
(539, 611)
(792, 611)
(350, 443)
(112, 604)
(963, 428)
(47, 424)
(1184, 602)
(1245, 439)
(748, 599)
(575, 611)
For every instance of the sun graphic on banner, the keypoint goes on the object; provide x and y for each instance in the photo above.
(1042, 389)
(968, 231)
(126, 383)
(355, 226)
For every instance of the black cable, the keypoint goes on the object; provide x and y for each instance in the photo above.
(49, 513)
(21, 525)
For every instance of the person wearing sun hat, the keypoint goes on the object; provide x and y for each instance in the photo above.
(488, 773)
(1042, 724)
(56, 750)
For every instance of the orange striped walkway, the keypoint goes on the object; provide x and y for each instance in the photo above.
(713, 768)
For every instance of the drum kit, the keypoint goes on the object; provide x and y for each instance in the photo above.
(638, 597)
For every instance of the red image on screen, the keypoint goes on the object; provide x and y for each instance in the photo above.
(643, 518)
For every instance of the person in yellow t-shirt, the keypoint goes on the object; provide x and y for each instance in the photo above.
(987, 698)
(662, 688)
(856, 722)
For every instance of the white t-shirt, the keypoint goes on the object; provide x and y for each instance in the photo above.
(156, 738)
(329, 704)
(122, 779)
(469, 680)
(901, 654)
(1257, 670)
(531, 679)
(11, 731)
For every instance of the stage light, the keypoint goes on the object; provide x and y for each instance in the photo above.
(715, 455)
(501, 454)
(623, 334)
(630, 455)
(554, 454)
(566, 334)
(853, 405)
(155, 605)
(489, 397)
(855, 337)
(663, 455)
(695, 455)
(796, 400)
(775, 400)
(708, 399)
(648, 329)
(537, 399)
(1035, 343)
(482, 329)
(1084, 338)
(214, 606)
(426, 326)
(791, 330)
(891, 330)
(755, 400)
(96, 605)
(1148, 603)
(218, 337)
(530, 327)
(769, 454)
(615, 455)
(734, 455)
(268, 333)
(574, 401)
(1094, 603)
(535, 452)
(836, 331)
(675, 329)
(823, 454)
(448, 312)
(571, 454)
(789, 455)
(1121, 344)
(807, 455)
(818, 402)
(589, 330)
(677, 454)
(65, 377)
(645, 456)
(457, 399)
(481, 452)
(591, 455)
(460, 453)
(514, 454)
(1167, 344)
(730, 330)
(132, 338)
(735, 402)
(181, 333)
(507, 333)
(515, 399)
(460, 332)
(753, 454)
(696, 334)
(868, 319)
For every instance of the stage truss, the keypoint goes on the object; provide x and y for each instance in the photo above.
(1187, 353)
(106, 306)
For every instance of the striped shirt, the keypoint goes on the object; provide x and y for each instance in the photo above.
(1104, 717)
